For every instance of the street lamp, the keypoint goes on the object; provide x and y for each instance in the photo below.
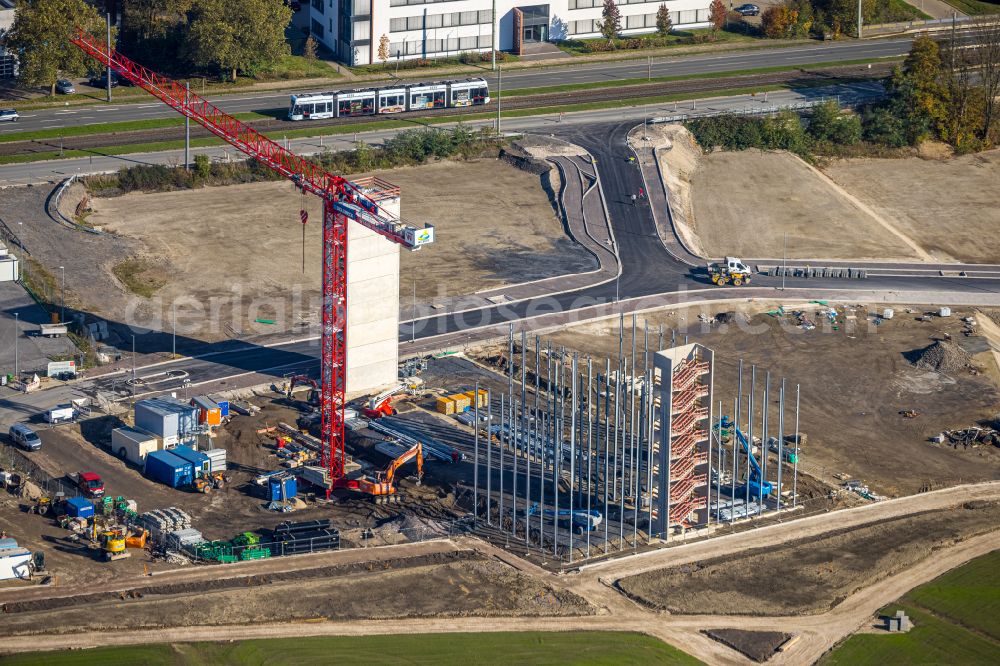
(62, 298)
(133, 369)
(17, 374)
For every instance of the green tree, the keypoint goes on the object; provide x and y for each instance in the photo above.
(202, 166)
(238, 36)
(40, 37)
(717, 14)
(611, 21)
(663, 23)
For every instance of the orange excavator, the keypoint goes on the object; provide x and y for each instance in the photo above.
(383, 488)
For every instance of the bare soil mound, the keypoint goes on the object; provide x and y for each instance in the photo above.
(756, 645)
(942, 356)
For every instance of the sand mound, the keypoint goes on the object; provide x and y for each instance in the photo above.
(942, 356)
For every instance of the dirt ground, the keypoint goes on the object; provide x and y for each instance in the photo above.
(812, 575)
(745, 202)
(213, 246)
(854, 383)
(463, 584)
(239, 507)
(949, 207)
(928, 208)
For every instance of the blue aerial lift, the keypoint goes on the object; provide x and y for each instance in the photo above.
(756, 483)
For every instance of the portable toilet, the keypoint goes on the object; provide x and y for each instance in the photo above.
(281, 488)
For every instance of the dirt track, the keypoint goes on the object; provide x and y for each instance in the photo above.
(818, 632)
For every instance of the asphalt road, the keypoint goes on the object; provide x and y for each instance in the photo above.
(806, 54)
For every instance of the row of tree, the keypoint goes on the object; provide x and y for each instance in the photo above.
(181, 37)
(941, 92)
(799, 18)
(610, 25)
(946, 91)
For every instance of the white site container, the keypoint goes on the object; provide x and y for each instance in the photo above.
(133, 445)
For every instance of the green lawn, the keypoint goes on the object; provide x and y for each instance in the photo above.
(956, 621)
(969, 595)
(107, 128)
(674, 39)
(975, 7)
(591, 648)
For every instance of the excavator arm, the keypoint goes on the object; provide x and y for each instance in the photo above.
(416, 451)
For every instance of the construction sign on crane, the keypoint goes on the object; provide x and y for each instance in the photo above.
(343, 201)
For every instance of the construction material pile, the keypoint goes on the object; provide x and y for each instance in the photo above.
(160, 522)
(942, 356)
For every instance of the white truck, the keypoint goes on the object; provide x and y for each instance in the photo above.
(61, 413)
(732, 269)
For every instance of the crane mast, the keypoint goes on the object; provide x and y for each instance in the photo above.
(343, 202)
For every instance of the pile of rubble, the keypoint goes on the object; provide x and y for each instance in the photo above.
(942, 356)
(972, 436)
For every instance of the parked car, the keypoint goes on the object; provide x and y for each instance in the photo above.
(747, 10)
(25, 437)
(9, 115)
(102, 81)
(64, 87)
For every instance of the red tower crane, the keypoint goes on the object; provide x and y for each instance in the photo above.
(343, 202)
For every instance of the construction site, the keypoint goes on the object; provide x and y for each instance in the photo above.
(735, 469)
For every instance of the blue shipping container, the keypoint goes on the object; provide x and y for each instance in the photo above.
(165, 467)
(201, 462)
(79, 507)
(282, 488)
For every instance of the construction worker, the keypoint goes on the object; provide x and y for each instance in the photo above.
(633, 200)
(642, 193)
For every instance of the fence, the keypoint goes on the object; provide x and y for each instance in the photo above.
(926, 24)
(12, 460)
(747, 110)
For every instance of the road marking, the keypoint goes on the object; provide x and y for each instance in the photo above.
(64, 113)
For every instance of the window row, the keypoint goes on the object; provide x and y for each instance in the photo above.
(429, 21)
(589, 4)
(404, 3)
(637, 21)
(452, 45)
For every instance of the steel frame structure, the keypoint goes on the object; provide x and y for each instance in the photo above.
(343, 201)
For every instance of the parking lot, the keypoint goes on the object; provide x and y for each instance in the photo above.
(33, 352)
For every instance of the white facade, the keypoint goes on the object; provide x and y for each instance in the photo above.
(8, 64)
(372, 307)
(439, 28)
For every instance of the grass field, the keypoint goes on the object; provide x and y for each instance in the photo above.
(956, 621)
(969, 596)
(975, 7)
(592, 648)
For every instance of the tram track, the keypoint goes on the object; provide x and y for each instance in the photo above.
(514, 103)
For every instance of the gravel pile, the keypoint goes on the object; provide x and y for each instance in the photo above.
(942, 356)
